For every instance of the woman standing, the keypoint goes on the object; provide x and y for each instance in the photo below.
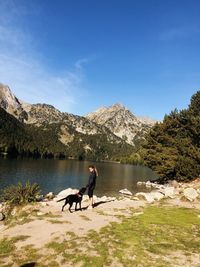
(91, 185)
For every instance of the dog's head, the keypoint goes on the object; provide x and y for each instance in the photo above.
(82, 190)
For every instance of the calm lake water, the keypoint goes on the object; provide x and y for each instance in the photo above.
(56, 175)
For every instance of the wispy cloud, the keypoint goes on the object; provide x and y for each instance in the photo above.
(80, 63)
(179, 33)
(23, 69)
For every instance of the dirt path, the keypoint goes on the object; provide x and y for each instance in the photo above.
(51, 223)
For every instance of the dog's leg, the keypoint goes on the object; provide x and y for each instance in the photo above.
(66, 202)
(80, 205)
(63, 207)
(70, 205)
(76, 207)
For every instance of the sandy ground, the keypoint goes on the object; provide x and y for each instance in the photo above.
(42, 231)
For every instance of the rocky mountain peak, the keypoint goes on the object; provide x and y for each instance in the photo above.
(117, 106)
(7, 98)
(119, 120)
(10, 103)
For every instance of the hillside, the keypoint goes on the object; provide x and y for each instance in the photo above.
(17, 138)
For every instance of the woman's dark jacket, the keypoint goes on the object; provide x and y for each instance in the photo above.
(92, 180)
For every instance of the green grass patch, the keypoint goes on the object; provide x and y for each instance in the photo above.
(138, 240)
(7, 246)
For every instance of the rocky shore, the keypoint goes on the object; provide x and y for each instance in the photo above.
(173, 190)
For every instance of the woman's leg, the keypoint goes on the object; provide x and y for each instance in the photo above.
(91, 201)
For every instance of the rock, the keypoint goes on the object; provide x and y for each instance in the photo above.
(157, 195)
(157, 186)
(50, 195)
(150, 197)
(135, 198)
(2, 216)
(139, 183)
(67, 192)
(169, 192)
(148, 184)
(175, 184)
(147, 196)
(190, 193)
(125, 192)
(39, 198)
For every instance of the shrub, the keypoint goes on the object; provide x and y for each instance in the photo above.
(20, 194)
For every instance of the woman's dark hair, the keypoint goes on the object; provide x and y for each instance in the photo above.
(91, 166)
(94, 168)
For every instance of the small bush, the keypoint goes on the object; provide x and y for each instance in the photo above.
(20, 194)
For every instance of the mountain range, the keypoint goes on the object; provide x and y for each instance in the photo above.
(105, 133)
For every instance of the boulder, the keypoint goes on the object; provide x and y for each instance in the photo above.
(157, 186)
(139, 183)
(50, 195)
(169, 191)
(190, 193)
(125, 192)
(66, 192)
(147, 196)
(157, 195)
(175, 184)
(148, 184)
(135, 198)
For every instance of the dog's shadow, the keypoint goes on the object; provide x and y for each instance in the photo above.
(94, 206)
(101, 202)
(30, 264)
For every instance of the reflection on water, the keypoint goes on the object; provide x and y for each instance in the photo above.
(56, 175)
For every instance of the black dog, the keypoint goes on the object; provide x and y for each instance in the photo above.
(70, 199)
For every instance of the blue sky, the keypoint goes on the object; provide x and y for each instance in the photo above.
(79, 55)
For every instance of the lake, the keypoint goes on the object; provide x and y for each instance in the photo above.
(56, 175)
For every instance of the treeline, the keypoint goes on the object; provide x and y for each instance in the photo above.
(18, 139)
(172, 148)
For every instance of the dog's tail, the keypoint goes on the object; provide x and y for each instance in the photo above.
(61, 199)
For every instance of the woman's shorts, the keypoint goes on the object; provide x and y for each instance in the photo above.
(90, 192)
